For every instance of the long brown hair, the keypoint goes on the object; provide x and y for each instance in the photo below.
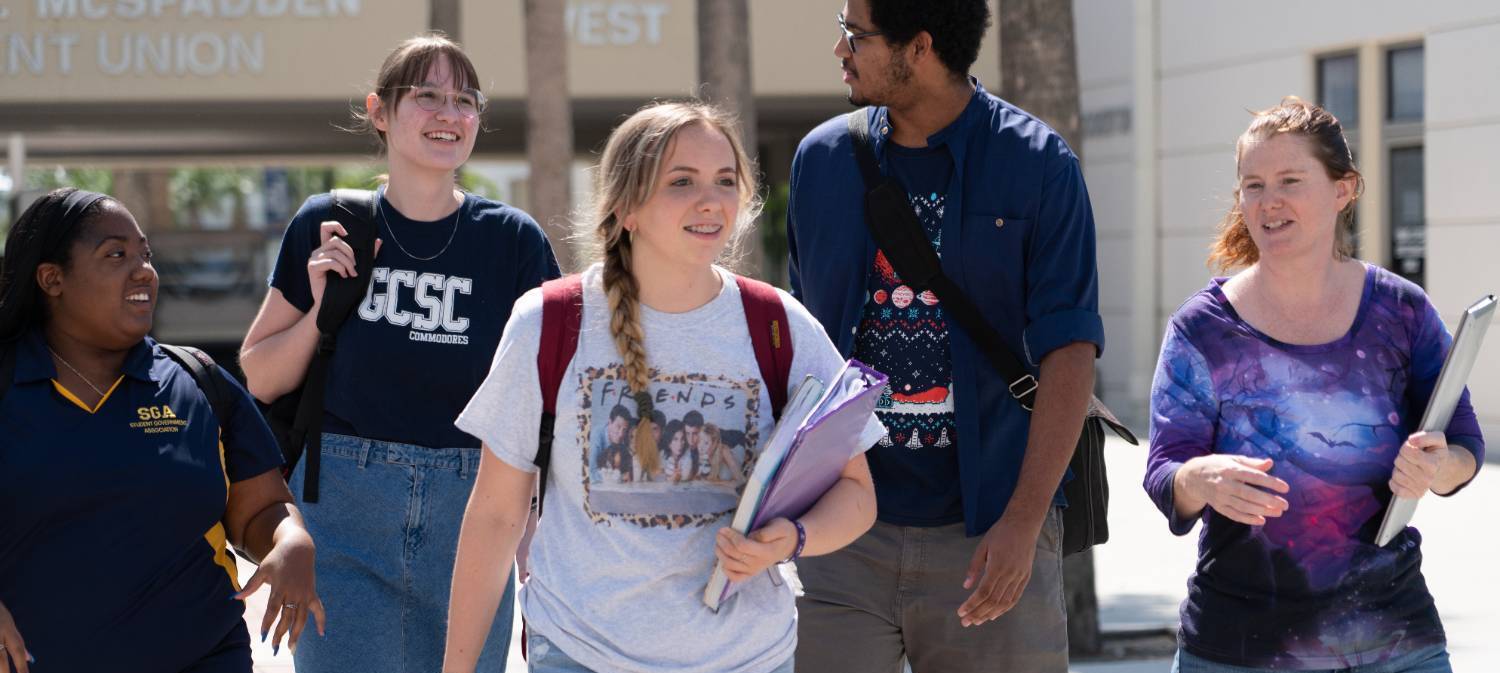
(1233, 248)
(625, 180)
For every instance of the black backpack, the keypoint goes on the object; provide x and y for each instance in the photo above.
(296, 418)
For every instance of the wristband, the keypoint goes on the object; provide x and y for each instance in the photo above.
(801, 542)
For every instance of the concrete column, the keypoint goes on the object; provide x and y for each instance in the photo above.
(1372, 207)
(16, 156)
(1146, 239)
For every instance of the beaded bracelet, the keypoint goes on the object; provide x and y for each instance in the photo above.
(801, 542)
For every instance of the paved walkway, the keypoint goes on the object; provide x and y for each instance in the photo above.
(1142, 572)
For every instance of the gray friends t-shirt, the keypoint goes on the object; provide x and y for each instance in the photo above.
(621, 557)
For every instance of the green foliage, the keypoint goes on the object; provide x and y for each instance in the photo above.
(193, 190)
(92, 179)
(773, 238)
(473, 182)
(306, 181)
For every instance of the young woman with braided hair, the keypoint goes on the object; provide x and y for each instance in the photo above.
(663, 330)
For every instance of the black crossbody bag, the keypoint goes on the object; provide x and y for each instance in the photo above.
(901, 237)
(296, 418)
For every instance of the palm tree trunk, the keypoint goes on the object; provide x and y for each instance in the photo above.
(445, 15)
(724, 78)
(1039, 74)
(549, 124)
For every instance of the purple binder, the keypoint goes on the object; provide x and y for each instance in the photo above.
(821, 450)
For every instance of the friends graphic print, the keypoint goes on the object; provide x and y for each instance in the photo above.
(691, 473)
(1309, 589)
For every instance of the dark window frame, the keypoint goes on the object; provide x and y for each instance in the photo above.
(1319, 76)
(1391, 52)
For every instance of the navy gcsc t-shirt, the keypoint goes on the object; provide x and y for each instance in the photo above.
(421, 342)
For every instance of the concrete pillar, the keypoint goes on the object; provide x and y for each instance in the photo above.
(1145, 321)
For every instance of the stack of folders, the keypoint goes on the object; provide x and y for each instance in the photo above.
(821, 428)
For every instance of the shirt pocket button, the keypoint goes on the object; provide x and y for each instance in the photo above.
(999, 222)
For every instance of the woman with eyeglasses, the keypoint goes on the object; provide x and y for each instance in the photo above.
(395, 472)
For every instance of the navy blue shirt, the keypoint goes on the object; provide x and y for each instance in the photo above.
(905, 335)
(1019, 232)
(112, 550)
(412, 355)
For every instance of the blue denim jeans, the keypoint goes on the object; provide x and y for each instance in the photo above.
(1433, 659)
(386, 526)
(544, 657)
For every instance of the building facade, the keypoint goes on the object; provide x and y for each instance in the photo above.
(1166, 86)
(148, 92)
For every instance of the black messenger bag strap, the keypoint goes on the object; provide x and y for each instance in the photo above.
(894, 227)
(355, 210)
(899, 235)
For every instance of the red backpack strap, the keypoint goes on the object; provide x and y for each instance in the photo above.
(562, 318)
(770, 336)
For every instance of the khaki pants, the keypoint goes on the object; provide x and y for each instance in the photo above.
(895, 592)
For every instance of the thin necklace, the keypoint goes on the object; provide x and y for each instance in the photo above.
(70, 367)
(457, 217)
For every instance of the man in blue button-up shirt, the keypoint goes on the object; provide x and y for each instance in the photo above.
(963, 570)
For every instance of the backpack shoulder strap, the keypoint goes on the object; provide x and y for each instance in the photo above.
(202, 368)
(355, 210)
(770, 336)
(864, 155)
(562, 319)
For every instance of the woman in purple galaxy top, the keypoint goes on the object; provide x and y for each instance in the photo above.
(1282, 416)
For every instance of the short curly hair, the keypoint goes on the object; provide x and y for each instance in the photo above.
(956, 26)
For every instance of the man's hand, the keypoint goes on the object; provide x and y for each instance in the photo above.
(1001, 568)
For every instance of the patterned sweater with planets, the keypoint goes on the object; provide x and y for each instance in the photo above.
(904, 334)
(1309, 589)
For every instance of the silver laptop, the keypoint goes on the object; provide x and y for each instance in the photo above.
(1450, 385)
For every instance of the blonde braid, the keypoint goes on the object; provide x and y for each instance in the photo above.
(627, 172)
(625, 325)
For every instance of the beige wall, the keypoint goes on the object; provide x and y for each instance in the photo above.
(197, 50)
(218, 50)
(645, 48)
(1210, 63)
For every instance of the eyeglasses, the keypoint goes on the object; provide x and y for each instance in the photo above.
(850, 37)
(469, 102)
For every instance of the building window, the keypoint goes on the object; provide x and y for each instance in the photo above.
(1404, 84)
(1338, 88)
(1408, 230)
(1402, 139)
(1338, 93)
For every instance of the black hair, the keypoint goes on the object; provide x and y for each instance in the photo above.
(619, 411)
(956, 26)
(671, 429)
(44, 234)
(692, 419)
(658, 417)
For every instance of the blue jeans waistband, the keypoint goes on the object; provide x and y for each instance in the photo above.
(464, 460)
